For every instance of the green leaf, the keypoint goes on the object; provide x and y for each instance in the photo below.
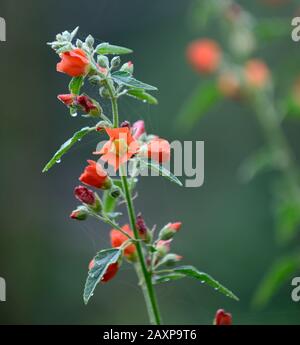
(109, 203)
(160, 169)
(75, 85)
(66, 147)
(142, 96)
(102, 260)
(125, 78)
(280, 272)
(190, 271)
(106, 48)
(198, 104)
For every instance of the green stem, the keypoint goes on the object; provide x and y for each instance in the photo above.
(145, 277)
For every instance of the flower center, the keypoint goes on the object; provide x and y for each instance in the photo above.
(119, 147)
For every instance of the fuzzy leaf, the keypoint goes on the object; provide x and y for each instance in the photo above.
(66, 147)
(198, 104)
(280, 272)
(190, 271)
(160, 169)
(125, 78)
(142, 96)
(75, 85)
(103, 260)
(106, 48)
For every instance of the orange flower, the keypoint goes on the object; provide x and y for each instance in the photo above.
(95, 176)
(204, 55)
(110, 272)
(159, 150)
(74, 63)
(257, 73)
(120, 147)
(117, 239)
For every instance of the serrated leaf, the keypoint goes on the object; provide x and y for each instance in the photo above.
(280, 272)
(125, 78)
(198, 104)
(190, 271)
(75, 85)
(142, 96)
(160, 169)
(66, 147)
(102, 261)
(106, 48)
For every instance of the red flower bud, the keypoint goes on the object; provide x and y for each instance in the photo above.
(74, 63)
(125, 124)
(204, 55)
(95, 176)
(222, 318)
(159, 150)
(79, 214)
(110, 272)
(67, 99)
(117, 239)
(84, 195)
(163, 247)
(142, 229)
(88, 105)
(127, 67)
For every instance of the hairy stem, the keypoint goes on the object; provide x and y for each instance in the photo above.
(145, 277)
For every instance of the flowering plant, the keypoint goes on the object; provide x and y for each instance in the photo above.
(148, 250)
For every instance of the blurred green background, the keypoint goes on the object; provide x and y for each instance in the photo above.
(228, 226)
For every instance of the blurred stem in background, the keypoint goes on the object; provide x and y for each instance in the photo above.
(240, 77)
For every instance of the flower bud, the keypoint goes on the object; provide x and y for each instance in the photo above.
(115, 192)
(90, 41)
(125, 124)
(170, 259)
(88, 105)
(168, 231)
(103, 61)
(257, 73)
(222, 318)
(127, 67)
(66, 99)
(163, 247)
(115, 61)
(142, 229)
(80, 213)
(88, 197)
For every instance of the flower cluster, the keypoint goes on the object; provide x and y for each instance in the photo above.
(100, 195)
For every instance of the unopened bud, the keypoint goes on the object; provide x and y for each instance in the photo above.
(125, 124)
(127, 67)
(88, 197)
(222, 318)
(103, 61)
(115, 192)
(142, 229)
(80, 213)
(88, 105)
(90, 41)
(168, 231)
(163, 247)
(170, 259)
(115, 61)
